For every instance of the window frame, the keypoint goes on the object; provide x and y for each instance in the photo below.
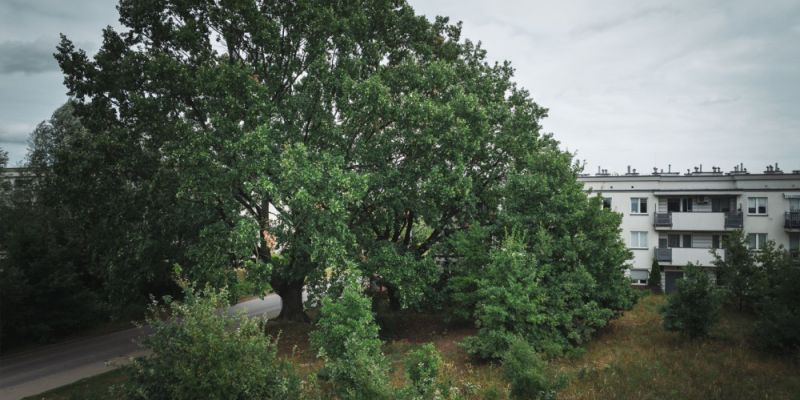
(754, 206)
(638, 201)
(759, 244)
(638, 242)
(607, 206)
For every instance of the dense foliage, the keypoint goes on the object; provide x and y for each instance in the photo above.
(338, 132)
(422, 367)
(778, 303)
(694, 307)
(202, 353)
(347, 341)
(97, 227)
(525, 372)
(541, 286)
(738, 271)
(654, 280)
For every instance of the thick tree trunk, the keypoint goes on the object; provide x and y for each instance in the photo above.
(291, 302)
(394, 301)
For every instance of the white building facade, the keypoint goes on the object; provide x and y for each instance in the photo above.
(680, 218)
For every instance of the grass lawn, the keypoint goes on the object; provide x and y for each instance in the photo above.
(633, 358)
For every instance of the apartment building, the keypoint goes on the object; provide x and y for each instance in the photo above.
(677, 218)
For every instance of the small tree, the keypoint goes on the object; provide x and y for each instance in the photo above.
(737, 270)
(422, 368)
(694, 307)
(654, 281)
(202, 353)
(347, 341)
(777, 325)
(525, 372)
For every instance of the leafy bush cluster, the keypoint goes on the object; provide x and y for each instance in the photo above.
(526, 373)
(347, 341)
(694, 307)
(764, 283)
(202, 352)
(520, 296)
(423, 366)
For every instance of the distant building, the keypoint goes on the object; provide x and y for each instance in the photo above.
(679, 218)
(16, 177)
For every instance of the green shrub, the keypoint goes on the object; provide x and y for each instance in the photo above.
(738, 272)
(202, 353)
(522, 296)
(654, 281)
(422, 368)
(525, 372)
(694, 307)
(347, 341)
(777, 327)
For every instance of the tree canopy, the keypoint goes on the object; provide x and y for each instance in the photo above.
(322, 133)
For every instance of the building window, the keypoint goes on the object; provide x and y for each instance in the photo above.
(638, 205)
(794, 205)
(686, 204)
(687, 241)
(718, 241)
(757, 205)
(638, 240)
(756, 241)
(606, 203)
(673, 204)
(674, 241)
(794, 241)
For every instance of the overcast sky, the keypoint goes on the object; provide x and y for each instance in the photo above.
(641, 83)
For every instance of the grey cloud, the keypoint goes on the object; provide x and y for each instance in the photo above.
(620, 20)
(15, 132)
(27, 57)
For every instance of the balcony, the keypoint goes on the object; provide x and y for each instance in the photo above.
(663, 220)
(734, 220)
(698, 221)
(682, 256)
(792, 221)
(664, 254)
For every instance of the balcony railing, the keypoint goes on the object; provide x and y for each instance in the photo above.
(685, 255)
(734, 220)
(664, 219)
(663, 254)
(792, 220)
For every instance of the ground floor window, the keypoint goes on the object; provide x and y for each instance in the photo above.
(756, 241)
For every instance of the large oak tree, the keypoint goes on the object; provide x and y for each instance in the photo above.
(320, 132)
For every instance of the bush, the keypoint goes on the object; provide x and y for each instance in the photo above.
(777, 327)
(522, 296)
(202, 353)
(694, 307)
(525, 372)
(422, 368)
(654, 281)
(738, 271)
(347, 341)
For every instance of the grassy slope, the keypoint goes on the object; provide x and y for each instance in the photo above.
(634, 358)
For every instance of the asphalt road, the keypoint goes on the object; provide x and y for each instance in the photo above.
(31, 372)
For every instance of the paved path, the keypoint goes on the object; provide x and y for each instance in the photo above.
(31, 372)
